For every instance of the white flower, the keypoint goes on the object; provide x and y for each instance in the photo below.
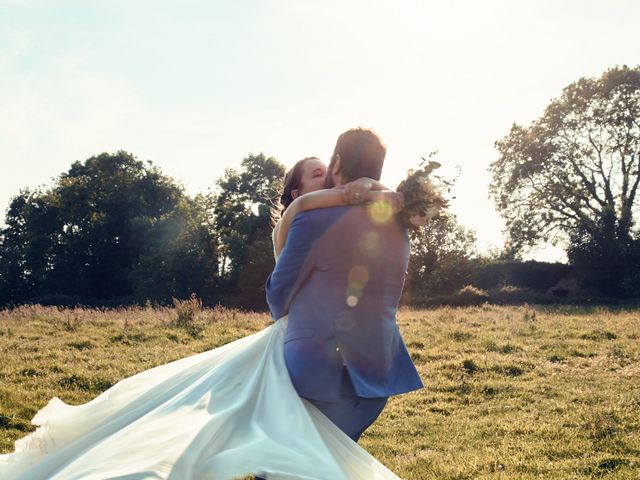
(426, 185)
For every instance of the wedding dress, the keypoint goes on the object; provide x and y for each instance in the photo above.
(220, 414)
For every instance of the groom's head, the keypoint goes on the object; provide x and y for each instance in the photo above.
(359, 153)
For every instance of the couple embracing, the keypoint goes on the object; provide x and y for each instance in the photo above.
(288, 402)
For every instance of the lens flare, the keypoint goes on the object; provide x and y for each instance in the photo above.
(370, 244)
(359, 274)
(380, 212)
(358, 278)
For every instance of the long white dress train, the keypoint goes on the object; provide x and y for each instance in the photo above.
(220, 414)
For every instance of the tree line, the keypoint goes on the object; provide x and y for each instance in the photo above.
(114, 230)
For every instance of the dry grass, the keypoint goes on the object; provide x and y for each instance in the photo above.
(511, 393)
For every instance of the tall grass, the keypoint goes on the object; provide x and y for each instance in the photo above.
(510, 392)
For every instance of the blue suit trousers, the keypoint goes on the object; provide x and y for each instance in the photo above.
(351, 414)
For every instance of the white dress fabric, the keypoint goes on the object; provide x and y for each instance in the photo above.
(220, 414)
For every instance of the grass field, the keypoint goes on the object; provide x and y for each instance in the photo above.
(511, 392)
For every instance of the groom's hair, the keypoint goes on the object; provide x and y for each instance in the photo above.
(361, 155)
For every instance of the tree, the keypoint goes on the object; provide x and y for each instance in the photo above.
(179, 255)
(572, 176)
(604, 261)
(243, 223)
(83, 238)
(26, 247)
(441, 257)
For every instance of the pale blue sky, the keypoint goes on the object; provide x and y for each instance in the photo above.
(195, 86)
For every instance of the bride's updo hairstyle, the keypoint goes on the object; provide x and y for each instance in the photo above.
(361, 154)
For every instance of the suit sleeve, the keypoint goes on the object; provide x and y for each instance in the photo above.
(292, 265)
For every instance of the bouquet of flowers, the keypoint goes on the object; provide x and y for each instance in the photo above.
(423, 199)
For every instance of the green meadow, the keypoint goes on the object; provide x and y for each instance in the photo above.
(510, 392)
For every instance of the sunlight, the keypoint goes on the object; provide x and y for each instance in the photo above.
(380, 212)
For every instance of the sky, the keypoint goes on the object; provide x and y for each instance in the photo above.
(195, 86)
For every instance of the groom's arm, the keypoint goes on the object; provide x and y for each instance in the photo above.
(292, 266)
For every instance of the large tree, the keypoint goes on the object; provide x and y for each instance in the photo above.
(572, 176)
(90, 236)
(179, 255)
(243, 206)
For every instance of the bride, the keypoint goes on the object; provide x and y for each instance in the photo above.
(221, 414)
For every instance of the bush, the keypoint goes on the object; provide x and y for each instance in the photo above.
(511, 295)
(537, 276)
(187, 310)
(466, 296)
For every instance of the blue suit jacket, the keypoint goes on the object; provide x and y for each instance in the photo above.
(339, 278)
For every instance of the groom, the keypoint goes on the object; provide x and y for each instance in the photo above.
(339, 278)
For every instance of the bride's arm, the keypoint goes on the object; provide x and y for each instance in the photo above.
(332, 197)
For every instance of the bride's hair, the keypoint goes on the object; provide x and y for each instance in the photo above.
(292, 181)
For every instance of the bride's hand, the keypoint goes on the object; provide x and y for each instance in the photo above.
(356, 192)
(395, 199)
